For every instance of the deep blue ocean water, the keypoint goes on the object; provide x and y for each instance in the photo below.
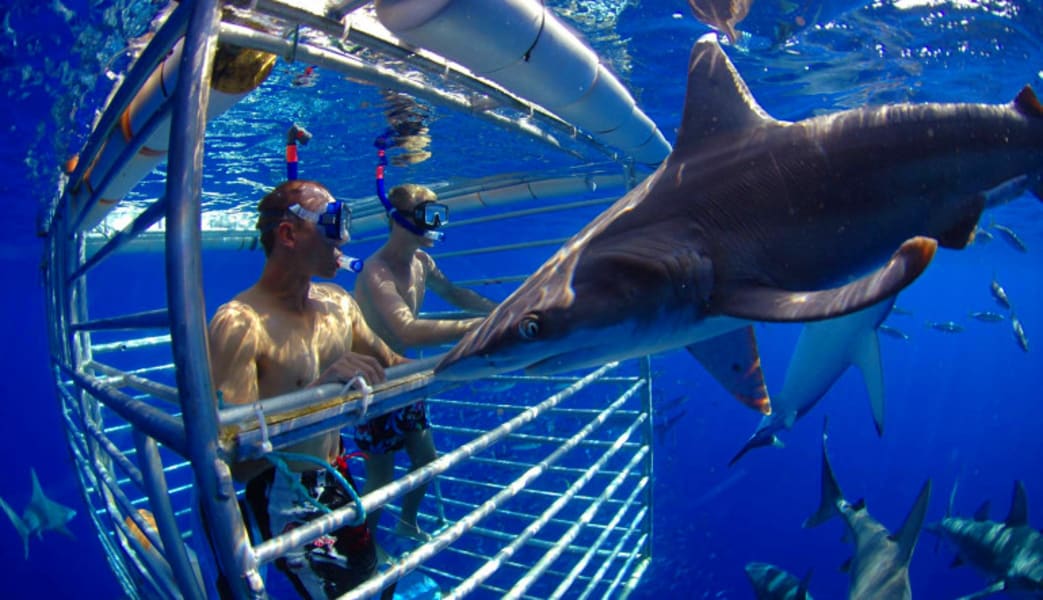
(960, 406)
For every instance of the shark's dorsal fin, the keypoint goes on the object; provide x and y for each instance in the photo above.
(831, 494)
(1025, 102)
(802, 589)
(1019, 507)
(717, 100)
(733, 360)
(38, 494)
(910, 531)
(982, 514)
(761, 303)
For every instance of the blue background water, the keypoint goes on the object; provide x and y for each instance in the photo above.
(961, 406)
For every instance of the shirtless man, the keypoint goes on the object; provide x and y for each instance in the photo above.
(286, 333)
(390, 291)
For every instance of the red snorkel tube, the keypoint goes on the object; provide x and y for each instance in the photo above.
(295, 134)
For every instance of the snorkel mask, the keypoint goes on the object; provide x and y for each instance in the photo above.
(427, 216)
(335, 225)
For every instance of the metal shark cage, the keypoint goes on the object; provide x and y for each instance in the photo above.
(544, 486)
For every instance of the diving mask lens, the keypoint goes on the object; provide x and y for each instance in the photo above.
(334, 221)
(431, 215)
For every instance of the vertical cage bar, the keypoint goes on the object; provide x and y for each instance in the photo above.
(187, 306)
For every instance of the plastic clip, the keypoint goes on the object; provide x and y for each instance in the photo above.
(347, 29)
(266, 442)
(359, 382)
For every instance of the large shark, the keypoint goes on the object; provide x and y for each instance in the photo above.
(1009, 553)
(823, 353)
(754, 219)
(42, 514)
(880, 567)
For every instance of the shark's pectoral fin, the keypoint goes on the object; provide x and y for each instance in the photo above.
(62, 529)
(995, 588)
(759, 303)
(19, 525)
(866, 357)
(759, 439)
(733, 360)
(906, 536)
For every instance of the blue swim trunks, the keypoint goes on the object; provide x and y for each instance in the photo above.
(386, 434)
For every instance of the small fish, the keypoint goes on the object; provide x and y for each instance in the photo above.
(898, 310)
(982, 236)
(987, 316)
(893, 332)
(1019, 333)
(1011, 237)
(999, 294)
(947, 326)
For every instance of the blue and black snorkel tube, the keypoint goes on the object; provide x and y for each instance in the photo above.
(382, 143)
(295, 134)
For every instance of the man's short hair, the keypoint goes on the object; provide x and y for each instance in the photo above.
(273, 207)
(407, 196)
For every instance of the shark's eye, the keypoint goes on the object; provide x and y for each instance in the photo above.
(529, 327)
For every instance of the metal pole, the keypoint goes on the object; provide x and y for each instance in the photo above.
(159, 500)
(187, 307)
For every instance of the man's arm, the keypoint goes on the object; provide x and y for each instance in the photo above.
(234, 342)
(460, 297)
(234, 333)
(365, 341)
(392, 309)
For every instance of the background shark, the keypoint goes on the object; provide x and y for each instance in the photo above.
(772, 583)
(880, 567)
(823, 353)
(754, 219)
(1010, 553)
(42, 514)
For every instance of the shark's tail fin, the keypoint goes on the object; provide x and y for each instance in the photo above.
(910, 531)
(831, 494)
(19, 524)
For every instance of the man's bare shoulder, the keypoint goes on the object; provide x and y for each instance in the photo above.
(235, 322)
(327, 291)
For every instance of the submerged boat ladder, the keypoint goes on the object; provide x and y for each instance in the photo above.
(543, 488)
